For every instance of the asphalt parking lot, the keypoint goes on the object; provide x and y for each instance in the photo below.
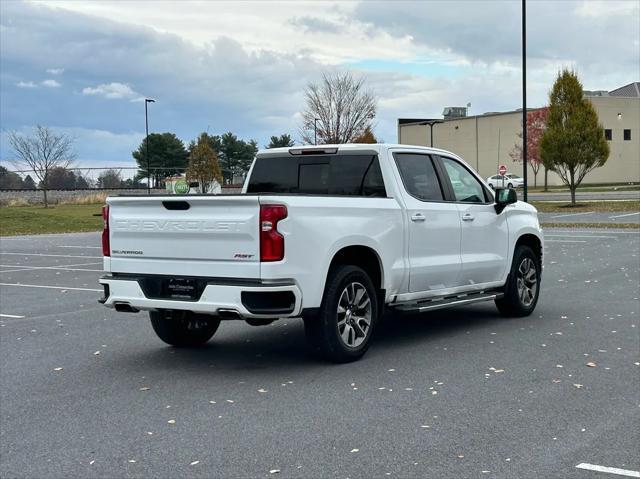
(87, 392)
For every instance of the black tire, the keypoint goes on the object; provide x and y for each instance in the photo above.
(330, 330)
(183, 328)
(516, 302)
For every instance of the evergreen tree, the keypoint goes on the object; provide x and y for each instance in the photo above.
(280, 141)
(573, 143)
(167, 156)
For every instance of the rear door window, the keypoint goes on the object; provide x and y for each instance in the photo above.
(337, 175)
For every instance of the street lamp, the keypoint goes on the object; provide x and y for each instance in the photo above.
(315, 130)
(431, 123)
(146, 123)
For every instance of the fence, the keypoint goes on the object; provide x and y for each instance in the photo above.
(77, 178)
(70, 185)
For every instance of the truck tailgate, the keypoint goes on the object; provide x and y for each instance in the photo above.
(212, 236)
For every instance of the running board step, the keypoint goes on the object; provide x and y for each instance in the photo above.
(448, 302)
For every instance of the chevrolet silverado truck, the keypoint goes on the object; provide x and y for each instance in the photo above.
(332, 234)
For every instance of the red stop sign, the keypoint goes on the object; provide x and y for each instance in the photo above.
(502, 170)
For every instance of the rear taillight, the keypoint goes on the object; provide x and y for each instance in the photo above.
(106, 247)
(271, 242)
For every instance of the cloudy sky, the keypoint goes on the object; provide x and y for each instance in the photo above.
(84, 67)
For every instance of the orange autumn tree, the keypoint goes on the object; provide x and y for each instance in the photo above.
(366, 136)
(536, 125)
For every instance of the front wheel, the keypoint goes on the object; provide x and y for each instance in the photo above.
(183, 328)
(343, 328)
(523, 285)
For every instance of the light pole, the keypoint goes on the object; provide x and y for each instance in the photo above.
(431, 123)
(146, 123)
(524, 99)
(315, 130)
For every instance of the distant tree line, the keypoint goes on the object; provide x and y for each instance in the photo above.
(169, 156)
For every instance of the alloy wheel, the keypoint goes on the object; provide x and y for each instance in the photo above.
(354, 315)
(527, 281)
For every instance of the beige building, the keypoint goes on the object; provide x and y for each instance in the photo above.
(485, 141)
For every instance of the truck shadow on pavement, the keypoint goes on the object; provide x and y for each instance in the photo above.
(282, 345)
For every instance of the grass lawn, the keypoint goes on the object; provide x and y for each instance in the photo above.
(596, 206)
(29, 220)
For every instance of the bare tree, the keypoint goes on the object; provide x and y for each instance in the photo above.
(338, 110)
(41, 152)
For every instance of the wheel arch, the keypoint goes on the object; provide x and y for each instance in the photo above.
(533, 242)
(362, 256)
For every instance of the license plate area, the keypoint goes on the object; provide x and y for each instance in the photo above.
(179, 289)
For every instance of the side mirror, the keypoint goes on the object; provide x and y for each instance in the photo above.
(504, 197)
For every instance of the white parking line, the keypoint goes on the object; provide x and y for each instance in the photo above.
(13, 316)
(622, 216)
(608, 231)
(574, 214)
(68, 267)
(551, 235)
(59, 268)
(564, 241)
(54, 255)
(609, 470)
(50, 287)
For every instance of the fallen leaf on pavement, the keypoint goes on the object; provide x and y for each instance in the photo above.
(591, 364)
(579, 386)
(171, 421)
(144, 388)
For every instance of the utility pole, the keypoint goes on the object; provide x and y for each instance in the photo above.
(525, 160)
(146, 123)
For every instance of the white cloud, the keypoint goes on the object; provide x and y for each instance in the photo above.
(55, 71)
(113, 91)
(26, 84)
(50, 83)
(243, 66)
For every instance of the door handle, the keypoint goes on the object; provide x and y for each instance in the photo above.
(468, 217)
(418, 217)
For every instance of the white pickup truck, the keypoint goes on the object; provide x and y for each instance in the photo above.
(333, 234)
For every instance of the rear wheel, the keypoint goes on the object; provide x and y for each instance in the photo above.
(183, 328)
(343, 328)
(523, 286)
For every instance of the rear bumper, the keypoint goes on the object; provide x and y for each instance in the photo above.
(253, 299)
